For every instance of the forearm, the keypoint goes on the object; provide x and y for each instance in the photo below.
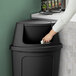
(52, 32)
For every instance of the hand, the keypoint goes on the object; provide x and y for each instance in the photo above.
(49, 36)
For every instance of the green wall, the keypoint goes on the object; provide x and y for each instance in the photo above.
(12, 11)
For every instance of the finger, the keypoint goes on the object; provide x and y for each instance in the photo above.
(46, 41)
(43, 39)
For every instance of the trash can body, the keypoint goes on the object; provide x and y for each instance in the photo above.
(30, 58)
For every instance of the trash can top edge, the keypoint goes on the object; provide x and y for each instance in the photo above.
(35, 50)
(36, 47)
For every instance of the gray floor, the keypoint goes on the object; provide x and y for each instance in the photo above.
(68, 52)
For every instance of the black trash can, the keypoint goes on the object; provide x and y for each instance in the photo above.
(30, 58)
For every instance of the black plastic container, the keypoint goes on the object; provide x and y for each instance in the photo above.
(30, 58)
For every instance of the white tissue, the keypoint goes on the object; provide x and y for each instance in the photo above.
(42, 42)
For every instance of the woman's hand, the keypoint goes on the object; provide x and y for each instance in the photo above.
(49, 36)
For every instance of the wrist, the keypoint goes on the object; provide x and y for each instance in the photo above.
(52, 32)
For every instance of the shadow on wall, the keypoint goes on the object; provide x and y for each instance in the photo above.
(12, 11)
